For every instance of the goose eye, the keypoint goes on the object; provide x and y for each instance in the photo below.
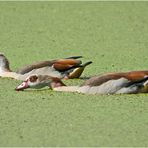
(23, 84)
(33, 78)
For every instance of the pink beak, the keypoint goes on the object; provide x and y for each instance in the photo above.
(22, 86)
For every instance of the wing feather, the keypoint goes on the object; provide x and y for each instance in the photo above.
(131, 76)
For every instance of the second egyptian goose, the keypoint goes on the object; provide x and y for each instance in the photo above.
(62, 68)
(112, 83)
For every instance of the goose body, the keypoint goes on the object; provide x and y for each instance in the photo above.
(61, 68)
(112, 83)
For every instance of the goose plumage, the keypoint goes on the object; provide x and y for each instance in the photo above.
(112, 83)
(62, 68)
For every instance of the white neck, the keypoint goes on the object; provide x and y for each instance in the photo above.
(67, 88)
(2, 70)
(13, 75)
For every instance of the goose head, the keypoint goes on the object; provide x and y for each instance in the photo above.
(4, 64)
(40, 81)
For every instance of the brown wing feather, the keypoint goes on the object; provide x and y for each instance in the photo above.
(136, 75)
(68, 62)
(37, 65)
(65, 64)
(62, 67)
(61, 64)
(131, 76)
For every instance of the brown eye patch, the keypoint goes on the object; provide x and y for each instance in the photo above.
(33, 78)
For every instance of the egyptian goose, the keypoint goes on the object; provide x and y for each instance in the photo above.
(112, 83)
(61, 68)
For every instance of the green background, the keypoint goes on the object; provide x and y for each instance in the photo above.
(114, 35)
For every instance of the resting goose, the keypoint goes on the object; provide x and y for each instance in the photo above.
(112, 83)
(62, 68)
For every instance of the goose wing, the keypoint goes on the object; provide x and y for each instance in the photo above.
(59, 65)
(132, 77)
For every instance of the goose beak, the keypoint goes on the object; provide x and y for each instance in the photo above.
(22, 86)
